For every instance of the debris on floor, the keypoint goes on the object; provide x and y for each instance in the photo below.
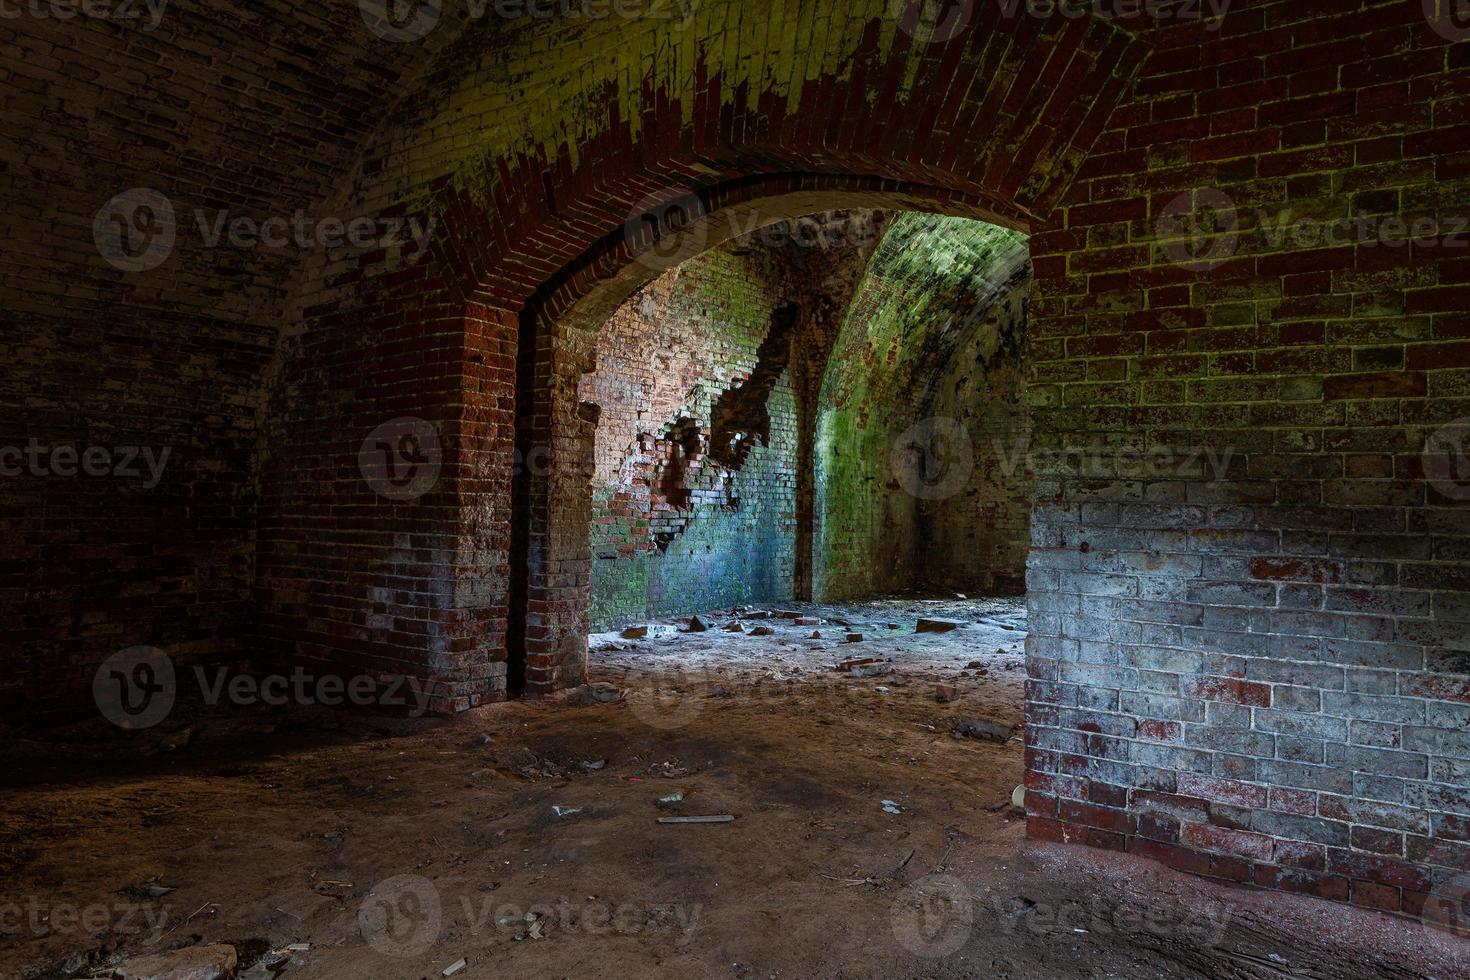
(937, 626)
(216, 962)
(983, 729)
(795, 751)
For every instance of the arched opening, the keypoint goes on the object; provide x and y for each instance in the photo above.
(551, 556)
(799, 437)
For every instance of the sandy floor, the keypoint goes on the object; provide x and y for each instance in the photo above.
(386, 852)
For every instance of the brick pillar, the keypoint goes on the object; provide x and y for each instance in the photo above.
(551, 554)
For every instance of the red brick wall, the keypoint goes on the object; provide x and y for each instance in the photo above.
(1257, 666)
(675, 529)
(221, 107)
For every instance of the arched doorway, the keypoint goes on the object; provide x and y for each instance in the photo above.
(551, 556)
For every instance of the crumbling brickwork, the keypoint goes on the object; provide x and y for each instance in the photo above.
(676, 528)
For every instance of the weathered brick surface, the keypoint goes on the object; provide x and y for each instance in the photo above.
(924, 442)
(222, 107)
(674, 528)
(1287, 616)
(1261, 633)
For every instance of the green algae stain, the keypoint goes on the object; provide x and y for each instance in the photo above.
(929, 275)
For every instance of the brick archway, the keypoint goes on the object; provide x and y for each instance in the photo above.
(551, 556)
(993, 123)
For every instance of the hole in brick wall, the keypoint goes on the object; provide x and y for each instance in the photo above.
(741, 418)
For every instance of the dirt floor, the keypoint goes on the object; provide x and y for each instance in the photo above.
(868, 840)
